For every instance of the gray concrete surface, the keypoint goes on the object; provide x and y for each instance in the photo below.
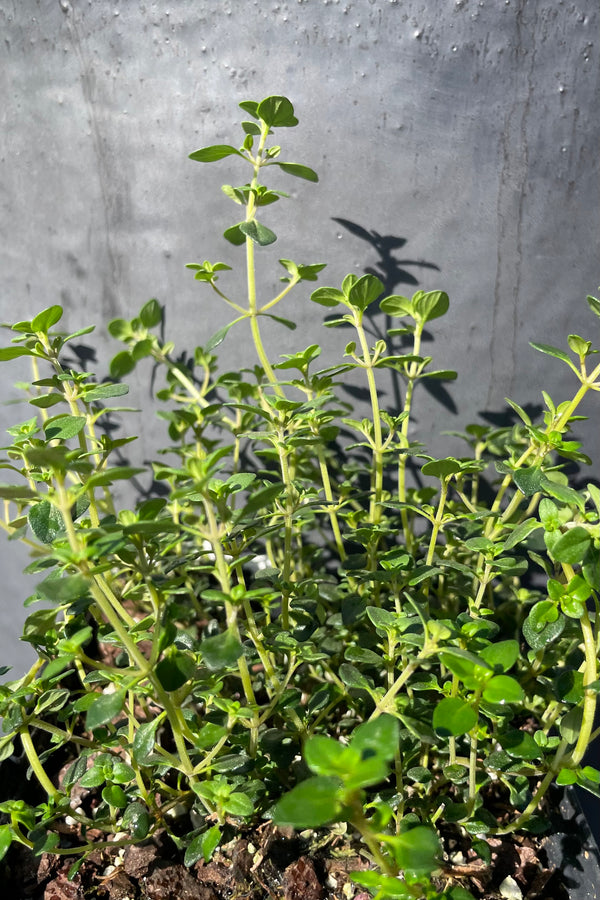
(467, 128)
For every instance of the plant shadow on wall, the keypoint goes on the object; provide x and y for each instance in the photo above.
(290, 637)
(393, 272)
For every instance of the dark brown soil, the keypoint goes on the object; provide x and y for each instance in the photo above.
(267, 864)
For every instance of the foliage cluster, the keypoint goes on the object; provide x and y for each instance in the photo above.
(291, 627)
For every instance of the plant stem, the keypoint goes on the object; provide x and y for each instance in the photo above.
(34, 762)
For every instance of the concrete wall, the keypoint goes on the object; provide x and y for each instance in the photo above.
(468, 129)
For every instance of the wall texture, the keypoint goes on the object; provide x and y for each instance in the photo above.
(456, 140)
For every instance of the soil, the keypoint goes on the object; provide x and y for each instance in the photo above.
(269, 864)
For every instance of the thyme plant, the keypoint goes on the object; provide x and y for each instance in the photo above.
(289, 628)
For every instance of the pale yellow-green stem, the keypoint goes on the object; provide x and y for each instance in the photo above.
(438, 521)
(231, 618)
(403, 458)
(590, 677)
(34, 762)
(386, 702)
(377, 485)
(539, 794)
(331, 512)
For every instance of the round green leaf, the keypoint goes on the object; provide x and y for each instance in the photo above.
(571, 546)
(122, 364)
(501, 656)
(258, 233)
(114, 796)
(137, 820)
(175, 669)
(327, 296)
(151, 314)
(441, 468)
(430, 305)
(380, 736)
(453, 717)
(238, 804)
(417, 850)
(520, 744)
(503, 689)
(310, 804)
(397, 306)
(277, 112)
(221, 651)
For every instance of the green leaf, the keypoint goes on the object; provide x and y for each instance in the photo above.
(503, 689)
(250, 106)
(221, 651)
(46, 521)
(46, 319)
(518, 534)
(310, 804)
(453, 717)
(258, 233)
(519, 410)
(502, 655)
(277, 112)
(543, 625)
(104, 391)
(108, 476)
(385, 887)
(114, 796)
(104, 709)
(12, 352)
(151, 314)
(175, 669)
(570, 725)
(594, 304)
(64, 590)
(238, 804)
(217, 338)
(353, 677)
(364, 291)
(214, 153)
(143, 741)
(136, 820)
(325, 756)
(528, 479)
(441, 468)
(203, 846)
(327, 296)
(430, 305)
(6, 838)
(17, 492)
(381, 736)
(121, 364)
(299, 171)
(440, 374)
(396, 306)
(549, 350)
(571, 546)
(417, 850)
(519, 744)
(120, 329)
(251, 128)
(63, 428)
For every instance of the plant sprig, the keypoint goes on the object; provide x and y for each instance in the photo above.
(292, 599)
